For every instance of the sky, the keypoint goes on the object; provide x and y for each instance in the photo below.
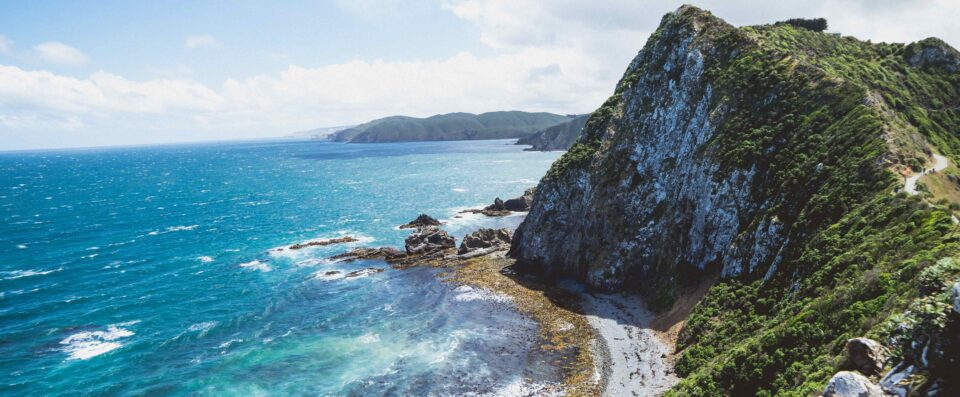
(99, 73)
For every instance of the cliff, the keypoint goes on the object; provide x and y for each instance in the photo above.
(771, 156)
(558, 137)
(450, 127)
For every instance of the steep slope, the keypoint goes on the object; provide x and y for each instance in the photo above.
(558, 137)
(769, 155)
(450, 127)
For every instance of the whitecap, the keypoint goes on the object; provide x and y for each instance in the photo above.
(15, 274)
(205, 259)
(229, 343)
(88, 344)
(181, 228)
(466, 293)
(257, 265)
(202, 328)
(21, 246)
(328, 275)
(459, 190)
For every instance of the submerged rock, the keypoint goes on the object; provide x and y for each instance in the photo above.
(423, 220)
(851, 384)
(387, 254)
(320, 243)
(485, 238)
(866, 354)
(428, 239)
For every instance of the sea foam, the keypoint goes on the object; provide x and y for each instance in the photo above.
(89, 344)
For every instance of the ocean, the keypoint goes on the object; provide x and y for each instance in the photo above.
(151, 271)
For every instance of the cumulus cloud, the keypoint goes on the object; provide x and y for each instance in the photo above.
(58, 53)
(201, 41)
(560, 56)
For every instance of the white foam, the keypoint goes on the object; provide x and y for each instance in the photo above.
(229, 343)
(369, 338)
(333, 275)
(284, 251)
(202, 328)
(21, 246)
(181, 228)
(205, 259)
(89, 344)
(257, 265)
(466, 293)
(15, 274)
(459, 190)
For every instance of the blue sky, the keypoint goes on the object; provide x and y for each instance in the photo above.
(132, 72)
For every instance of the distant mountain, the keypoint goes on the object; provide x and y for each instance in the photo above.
(450, 127)
(319, 133)
(557, 137)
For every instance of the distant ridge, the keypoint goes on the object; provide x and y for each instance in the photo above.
(557, 137)
(450, 127)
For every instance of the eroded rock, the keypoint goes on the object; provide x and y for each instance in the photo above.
(520, 204)
(428, 239)
(485, 238)
(866, 354)
(851, 384)
(423, 220)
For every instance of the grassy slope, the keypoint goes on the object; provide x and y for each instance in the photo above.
(452, 126)
(829, 120)
(862, 247)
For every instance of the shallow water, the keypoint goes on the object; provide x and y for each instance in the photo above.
(148, 271)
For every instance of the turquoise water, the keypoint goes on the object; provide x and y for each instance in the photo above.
(148, 271)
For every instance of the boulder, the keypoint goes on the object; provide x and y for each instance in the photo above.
(423, 220)
(520, 204)
(485, 238)
(851, 384)
(867, 355)
(497, 205)
(428, 239)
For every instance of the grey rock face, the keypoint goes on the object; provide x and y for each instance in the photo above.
(955, 295)
(421, 221)
(932, 52)
(428, 239)
(650, 202)
(521, 203)
(485, 238)
(851, 384)
(866, 354)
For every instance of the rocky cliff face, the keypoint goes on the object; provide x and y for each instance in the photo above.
(655, 199)
(768, 155)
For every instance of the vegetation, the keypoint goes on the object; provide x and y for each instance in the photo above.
(813, 113)
(815, 24)
(449, 127)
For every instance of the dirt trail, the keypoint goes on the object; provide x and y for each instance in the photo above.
(940, 163)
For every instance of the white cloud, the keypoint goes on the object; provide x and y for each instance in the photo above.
(60, 54)
(561, 56)
(201, 41)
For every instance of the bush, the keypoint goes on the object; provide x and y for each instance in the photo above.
(815, 24)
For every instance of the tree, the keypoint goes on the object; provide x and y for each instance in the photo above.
(815, 24)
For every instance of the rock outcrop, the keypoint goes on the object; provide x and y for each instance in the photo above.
(427, 240)
(423, 220)
(851, 384)
(867, 355)
(485, 239)
(520, 204)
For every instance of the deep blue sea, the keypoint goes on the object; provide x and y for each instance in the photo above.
(149, 271)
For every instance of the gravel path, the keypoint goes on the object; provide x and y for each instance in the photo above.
(636, 362)
(939, 164)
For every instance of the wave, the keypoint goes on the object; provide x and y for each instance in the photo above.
(88, 344)
(205, 259)
(202, 328)
(466, 293)
(257, 265)
(284, 251)
(15, 274)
